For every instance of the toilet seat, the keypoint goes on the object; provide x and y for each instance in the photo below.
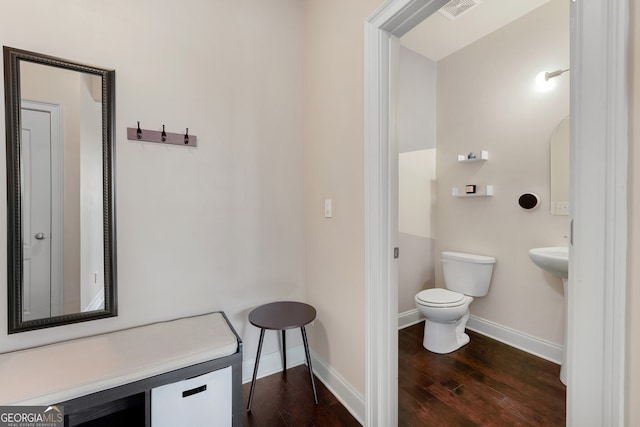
(439, 297)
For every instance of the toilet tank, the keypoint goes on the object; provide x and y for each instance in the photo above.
(468, 274)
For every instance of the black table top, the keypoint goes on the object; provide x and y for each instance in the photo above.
(282, 315)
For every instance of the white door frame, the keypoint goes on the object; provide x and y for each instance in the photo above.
(57, 197)
(597, 276)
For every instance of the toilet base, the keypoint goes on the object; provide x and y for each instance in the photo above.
(445, 338)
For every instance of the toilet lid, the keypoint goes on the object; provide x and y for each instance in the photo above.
(440, 296)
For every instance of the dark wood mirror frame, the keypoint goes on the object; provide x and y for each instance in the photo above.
(12, 59)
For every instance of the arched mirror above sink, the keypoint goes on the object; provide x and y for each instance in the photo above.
(559, 154)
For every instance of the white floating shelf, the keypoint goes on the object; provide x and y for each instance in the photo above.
(482, 157)
(488, 192)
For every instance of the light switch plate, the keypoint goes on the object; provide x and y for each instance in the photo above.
(328, 208)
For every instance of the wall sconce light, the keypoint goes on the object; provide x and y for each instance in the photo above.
(551, 74)
(544, 82)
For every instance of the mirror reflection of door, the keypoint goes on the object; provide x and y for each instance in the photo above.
(65, 186)
(41, 176)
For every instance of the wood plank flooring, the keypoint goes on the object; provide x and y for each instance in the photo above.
(286, 399)
(485, 383)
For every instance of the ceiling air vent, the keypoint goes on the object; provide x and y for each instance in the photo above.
(455, 8)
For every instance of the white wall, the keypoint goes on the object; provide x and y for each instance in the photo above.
(416, 106)
(487, 101)
(217, 227)
(633, 294)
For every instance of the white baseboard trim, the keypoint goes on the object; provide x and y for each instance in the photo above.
(533, 345)
(409, 318)
(271, 363)
(350, 398)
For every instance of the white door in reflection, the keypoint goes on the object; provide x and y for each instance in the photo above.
(41, 169)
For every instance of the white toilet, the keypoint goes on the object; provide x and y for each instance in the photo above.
(447, 310)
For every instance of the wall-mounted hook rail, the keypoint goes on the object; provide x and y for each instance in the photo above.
(162, 137)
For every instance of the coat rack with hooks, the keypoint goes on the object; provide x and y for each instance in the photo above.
(162, 137)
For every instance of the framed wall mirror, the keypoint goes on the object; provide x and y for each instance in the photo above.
(60, 191)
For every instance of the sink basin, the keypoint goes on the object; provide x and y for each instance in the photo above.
(554, 260)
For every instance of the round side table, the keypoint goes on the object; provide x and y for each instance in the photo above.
(281, 316)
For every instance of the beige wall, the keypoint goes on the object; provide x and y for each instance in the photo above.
(416, 182)
(486, 101)
(633, 293)
(217, 227)
(416, 237)
(334, 168)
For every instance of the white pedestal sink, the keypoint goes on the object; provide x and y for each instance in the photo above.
(555, 260)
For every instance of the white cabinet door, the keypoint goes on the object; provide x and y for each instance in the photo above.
(202, 401)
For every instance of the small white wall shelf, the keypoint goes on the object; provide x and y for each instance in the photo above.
(488, 191)
(483, 156)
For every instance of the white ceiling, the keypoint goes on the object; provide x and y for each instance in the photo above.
(437, 37)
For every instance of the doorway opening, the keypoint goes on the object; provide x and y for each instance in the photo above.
(491, 125)
(598, 209)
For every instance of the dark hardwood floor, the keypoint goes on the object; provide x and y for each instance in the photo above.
(485, 383)
(287, 400)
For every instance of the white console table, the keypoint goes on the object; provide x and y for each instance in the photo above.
(103, 374)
